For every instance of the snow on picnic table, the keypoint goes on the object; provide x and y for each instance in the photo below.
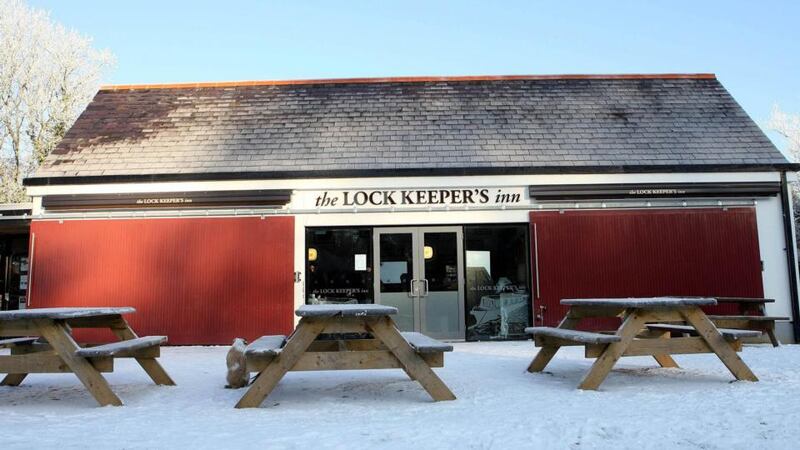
(499, 406)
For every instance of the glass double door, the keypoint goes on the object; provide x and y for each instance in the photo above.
(419, 270)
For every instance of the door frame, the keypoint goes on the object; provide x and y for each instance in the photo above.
(418, 269)
(415, 269)
(459, 231)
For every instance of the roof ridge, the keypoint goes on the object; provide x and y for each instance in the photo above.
(416, 79)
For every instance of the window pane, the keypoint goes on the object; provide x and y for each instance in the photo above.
(338, 265)
(497, 278)
(396, 262)
(441, 261)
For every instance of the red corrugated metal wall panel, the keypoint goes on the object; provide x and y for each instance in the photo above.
(196, 280)
(640, 253)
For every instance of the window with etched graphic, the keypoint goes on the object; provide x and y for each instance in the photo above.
(498, 295)
(338, 265)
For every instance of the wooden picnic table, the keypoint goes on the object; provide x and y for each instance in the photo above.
(751, 315)
(344, 337)
(646, 328)
(50, 348)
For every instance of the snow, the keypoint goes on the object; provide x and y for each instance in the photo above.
(345, 310)
(115, 348)
(654, 302)
(62, 313)
(575, 335)
(499, 405)
(425, 344)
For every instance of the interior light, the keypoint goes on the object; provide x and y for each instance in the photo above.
(312, 254)
(427, 252)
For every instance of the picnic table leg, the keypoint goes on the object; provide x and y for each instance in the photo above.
(306, 332)
(761, 310)
(706, 329)
(543, 357)
(13, 379)
(547, 352)
(773, 338)
(57, 335)
(630, 327)
(153, 368)
(665, 360)
(412, 363)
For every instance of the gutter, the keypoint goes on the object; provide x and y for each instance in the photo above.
(791, 256)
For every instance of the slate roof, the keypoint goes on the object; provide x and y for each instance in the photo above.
(470, 125)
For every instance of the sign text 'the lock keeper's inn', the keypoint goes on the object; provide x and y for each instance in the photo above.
(402, 198)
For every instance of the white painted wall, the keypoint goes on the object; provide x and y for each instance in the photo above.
(772, 246)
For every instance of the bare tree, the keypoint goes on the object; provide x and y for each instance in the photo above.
(48, 74)
(788, 126)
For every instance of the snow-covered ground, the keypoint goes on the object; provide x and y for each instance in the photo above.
(499, 406)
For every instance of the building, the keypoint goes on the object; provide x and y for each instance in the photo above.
(15, 219)
(473, 204)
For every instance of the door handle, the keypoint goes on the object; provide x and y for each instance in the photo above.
(540, 317)
(425, 282)
(411, 292)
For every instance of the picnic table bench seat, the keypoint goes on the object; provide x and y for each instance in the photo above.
(727, 333)
(583, 337)
(121, 348)
(745, 300)
(269, 346)
(650, 302)
(13, 342)
(424, 344)
(750, 318)
(750, 315)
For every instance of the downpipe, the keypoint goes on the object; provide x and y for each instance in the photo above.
(791, 250)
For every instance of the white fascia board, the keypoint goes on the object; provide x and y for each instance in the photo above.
(402, 182)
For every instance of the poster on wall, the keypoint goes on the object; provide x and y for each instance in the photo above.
(360, 262)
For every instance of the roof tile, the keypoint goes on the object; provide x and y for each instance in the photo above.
(522, 124)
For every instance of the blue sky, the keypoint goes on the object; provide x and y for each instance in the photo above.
(752, 46)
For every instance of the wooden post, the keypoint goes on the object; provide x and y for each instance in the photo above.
(384, 329)
(547, 352)
(13, 379)
(307, 330)
(630, 327)
(706, 329)
(57, 335)
(762, 310)
(665, 360)
(543, 358)
(772, 338)
(123, 331)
